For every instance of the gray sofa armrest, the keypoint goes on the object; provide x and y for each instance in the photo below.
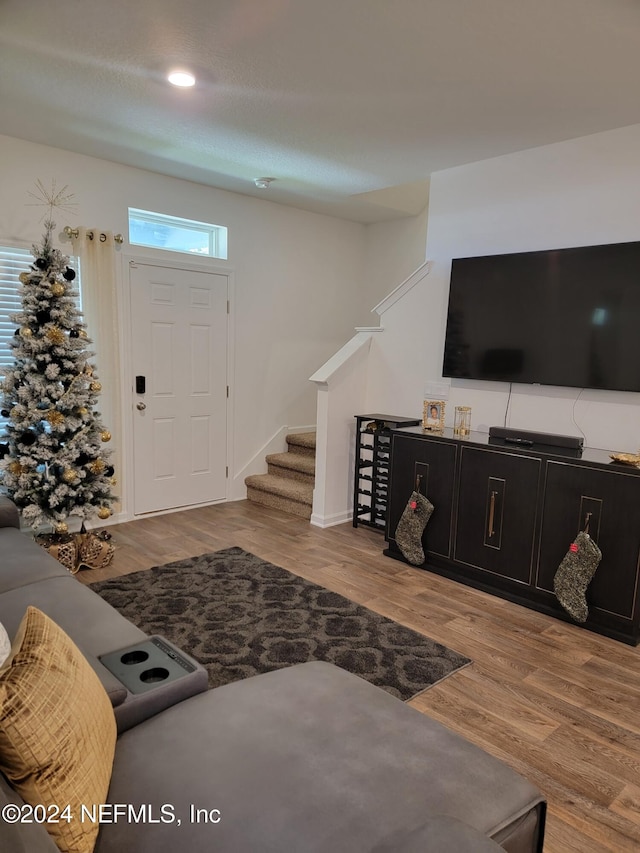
(139, 706)
(9, 515)
(115, 690)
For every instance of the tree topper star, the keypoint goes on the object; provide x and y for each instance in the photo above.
(53, 198)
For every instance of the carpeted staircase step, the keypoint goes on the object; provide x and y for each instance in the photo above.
(296, 466)
(290, 478)
(281, 493)
(302, 442)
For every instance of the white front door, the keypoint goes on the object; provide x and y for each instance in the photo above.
(179, 350)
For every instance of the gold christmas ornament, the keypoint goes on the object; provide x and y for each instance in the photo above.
(57, 288)
(55, 335)
(82, 333)
(15, 468)
(69, 475)
(61, 527)
(97, 466)
(82, 411)
(113, 481)
(24, 277)
(54, 417)
(105, 435)
(96, 386)
(26, 332)
(104, 512)
(88, 370)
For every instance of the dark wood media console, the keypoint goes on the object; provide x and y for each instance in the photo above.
(505, 516)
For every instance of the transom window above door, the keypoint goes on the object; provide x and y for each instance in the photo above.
(161, 231)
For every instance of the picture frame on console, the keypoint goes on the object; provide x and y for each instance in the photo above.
(433, 415)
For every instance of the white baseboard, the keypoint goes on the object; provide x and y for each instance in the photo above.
(331, 520)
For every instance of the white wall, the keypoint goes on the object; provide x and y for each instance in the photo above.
(394, 250)
(580, 192)
(298, 276)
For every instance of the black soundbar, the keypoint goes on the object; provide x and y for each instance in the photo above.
(526, 438)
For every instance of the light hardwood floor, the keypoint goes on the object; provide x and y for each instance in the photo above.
(559, 704)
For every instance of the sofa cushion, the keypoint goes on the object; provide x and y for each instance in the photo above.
(308, 758)
(22, 562)
(9, 516)
(92, 624)
(116, 691)
(57, 728)
(21, 837)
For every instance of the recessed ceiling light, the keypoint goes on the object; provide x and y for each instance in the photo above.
(263, 183)
(184, 79)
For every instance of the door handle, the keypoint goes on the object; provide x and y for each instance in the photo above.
(492, 511)
(141, 406)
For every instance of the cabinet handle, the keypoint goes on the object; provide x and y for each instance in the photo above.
(492, 512)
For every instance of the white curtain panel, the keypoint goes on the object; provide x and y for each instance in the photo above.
(100, 309)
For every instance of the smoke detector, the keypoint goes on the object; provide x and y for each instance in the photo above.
(263, 183)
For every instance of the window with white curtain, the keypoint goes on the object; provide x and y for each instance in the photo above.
(13, 261)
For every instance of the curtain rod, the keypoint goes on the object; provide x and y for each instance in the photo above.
(74, 233)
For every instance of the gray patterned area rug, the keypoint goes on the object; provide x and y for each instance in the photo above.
(240, 616)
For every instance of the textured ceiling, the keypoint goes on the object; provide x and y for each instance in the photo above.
(349, 104)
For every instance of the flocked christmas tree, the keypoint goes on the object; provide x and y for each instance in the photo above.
(55, 463)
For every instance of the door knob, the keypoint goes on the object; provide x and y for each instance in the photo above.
(141, 406)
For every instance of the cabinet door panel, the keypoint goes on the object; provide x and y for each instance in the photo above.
(434, 463)
(497, 512)
(613, 499)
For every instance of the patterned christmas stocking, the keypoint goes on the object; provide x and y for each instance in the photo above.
(574, 576)
(412, 523)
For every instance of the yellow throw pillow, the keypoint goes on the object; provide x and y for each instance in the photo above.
(57, 729)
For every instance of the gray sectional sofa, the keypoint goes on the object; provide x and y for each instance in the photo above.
(309, 758)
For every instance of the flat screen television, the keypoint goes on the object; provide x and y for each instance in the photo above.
(560, 317)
